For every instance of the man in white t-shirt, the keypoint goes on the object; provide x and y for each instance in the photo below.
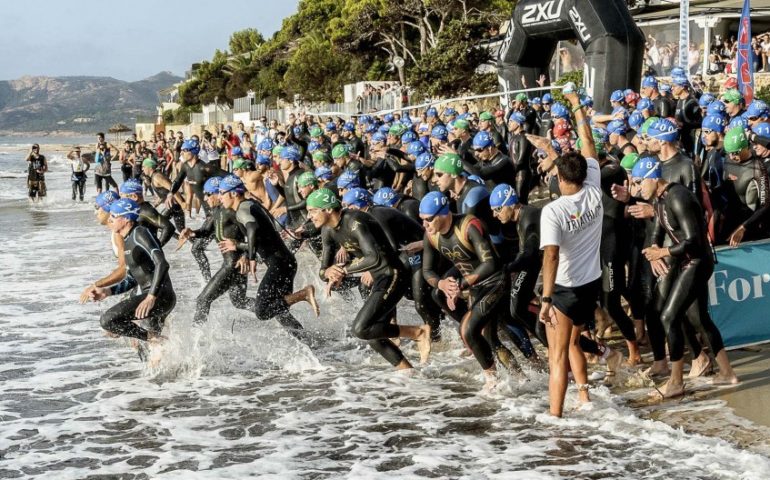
(570, 236)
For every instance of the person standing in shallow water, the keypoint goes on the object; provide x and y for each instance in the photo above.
(79, 169)
(38, 166)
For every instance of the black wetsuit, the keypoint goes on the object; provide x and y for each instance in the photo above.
(421, 187)
(664, 107)
(688, 116)
(222, 225)
(521, 151)
(366, 243)
(468, 246)
(196, 175)
(680, 217)
(746, 190)
(401, 229)
(409, 206)
(546, 123)
(262, 239)
(147, 275)
(614, 250)
(498, 169)
(176, 214)
(295, 204)
(156, 223)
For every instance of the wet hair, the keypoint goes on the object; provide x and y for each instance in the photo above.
(572, 168)
(100, 134)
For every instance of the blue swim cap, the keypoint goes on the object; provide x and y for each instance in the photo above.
(263, 160)
(357, 197)
(331, 127)
(297, 131)
(124, 207)
(665, 87)
(677, 72)
(645, 104)
(600, 135)
(503, 195)
(649, 81)
(636, 119)
(191, 145)
(323, 173)
(424, 160)
(617, 126)
(349, 127)
(617, 96)
(388, 118)
(757, 109)
(556, 146)
(439, 132)
(236, 151)
(370, 128)
(449, 111)
(705, 100)
(379, 137)
(131, 187)
(536, 101)
(482, 140)
(408, 137)
(431, 112)
(104, 199)
(559, 111)
(716, 107)
(364, 119)
(762, 129)
(434, 203)
(348, 179)
(680, 81)
(547, 98)
(663, 130)
(628, 91)
(716, 123)
(231, 183)
(646, 167)
(738, 121)
(518, 118)
(587, 101)
(386, 197)
(415, 148)
(266, 144)
(384, 129)
(290, 152)
(211, 187)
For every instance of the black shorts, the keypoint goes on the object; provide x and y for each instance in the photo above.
(577, 303)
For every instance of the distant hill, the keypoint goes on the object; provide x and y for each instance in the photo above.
(80, 104)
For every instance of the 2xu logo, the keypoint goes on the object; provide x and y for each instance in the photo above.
(543, 12)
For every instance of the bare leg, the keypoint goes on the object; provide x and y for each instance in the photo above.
(674, 387)
(700, 365)
(421, 336)
(307, 294)
(561, 338)
(726, 375)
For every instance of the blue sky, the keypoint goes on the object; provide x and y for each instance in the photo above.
(125, 40)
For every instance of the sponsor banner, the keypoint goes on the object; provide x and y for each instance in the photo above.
(739, 294)
(745, 55)
(542, 13)
(684, 35)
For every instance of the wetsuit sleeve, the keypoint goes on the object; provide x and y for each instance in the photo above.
(429, 261)
(489, 169)
(329, 249)
(529, 249)
(483, 249)
(686, 212)
(523, 151)
(298, 206)
(163, 224)
(126, 285)
(763, 189)
(179, 179)
(147, 242)
(366, 242)
(249, 222)
(207, 228)
(309, 230)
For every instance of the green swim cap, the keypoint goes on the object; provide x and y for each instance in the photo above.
(486, 116)
(307, 178)
(520, 97)
(341, 150)
(647, 123)
(240, 164)
(732, 96)
(449, 163)
(601, 147)
(323, 199)
(736, 140)
(629, 161)
(316, 131)
(277, 150)
(397, 130)
(322, 157)
(462, 124)
(149, 163)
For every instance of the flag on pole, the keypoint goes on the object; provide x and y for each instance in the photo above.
(745, 55)
(684, 36)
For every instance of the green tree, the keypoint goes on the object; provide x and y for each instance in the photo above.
(244, 41)
(316, 73)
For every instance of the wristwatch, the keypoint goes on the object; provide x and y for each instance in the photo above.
(546, 300)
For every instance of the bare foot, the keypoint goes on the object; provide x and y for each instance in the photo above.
(633, 361)
(423, 344)
(667, 390)
(614, 359)
(700, 366)
(310, 298)
(658, 369)
(507, 360)
(491, 381)
(720, 379)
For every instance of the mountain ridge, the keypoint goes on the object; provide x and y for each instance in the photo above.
(77, 103)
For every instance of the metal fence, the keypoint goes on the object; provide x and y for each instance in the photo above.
(196, 118)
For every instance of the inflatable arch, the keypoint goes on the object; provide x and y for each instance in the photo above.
(613, 44)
